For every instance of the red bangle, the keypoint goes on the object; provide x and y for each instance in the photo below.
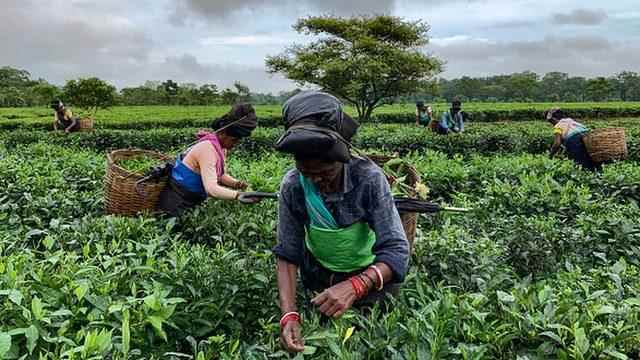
(359, 287)
(290, 316)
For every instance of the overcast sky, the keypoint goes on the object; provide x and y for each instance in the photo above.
(218, 41)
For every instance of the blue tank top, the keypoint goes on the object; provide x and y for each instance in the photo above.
(188, 178)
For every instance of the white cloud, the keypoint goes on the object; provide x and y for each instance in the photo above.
(627, 15)
(580, 17)
(577, 55)
(246, 40)
(128, 42)
(452, 40)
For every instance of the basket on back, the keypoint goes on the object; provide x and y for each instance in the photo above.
(120, 193)
(606, 144)
(409, 219)
(86, 124)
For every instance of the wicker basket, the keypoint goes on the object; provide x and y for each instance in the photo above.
(86, 124)
(606, 144)
(120, 194)
(409, 219)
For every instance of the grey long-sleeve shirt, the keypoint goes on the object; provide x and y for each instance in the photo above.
(365, 196)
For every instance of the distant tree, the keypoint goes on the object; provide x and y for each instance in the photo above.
(493, 92)
(154, 85)
(575, 89)
(240, 93)
(285, 95)
(244, 94)
(523, 86)
(208, 94)
(628, 85)
(141, 95)
(12, 77)
(552, 86)
(365, 60)
(599, 89)
(90, 94)
(468, 88)
(229, 96)
(171, 89)
(12, 97)
(43, 92)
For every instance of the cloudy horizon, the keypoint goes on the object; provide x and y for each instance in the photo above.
(200, 41)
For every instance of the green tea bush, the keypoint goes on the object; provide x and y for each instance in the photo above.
(483, 139)
(177, 117)
(544, 267)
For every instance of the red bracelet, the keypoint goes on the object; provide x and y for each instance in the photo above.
(359, 287)
(290, 316)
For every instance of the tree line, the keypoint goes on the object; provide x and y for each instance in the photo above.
(531, 87)
(18, 89)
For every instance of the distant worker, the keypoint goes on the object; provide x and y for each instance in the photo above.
(569, 133)
(200, 172)
(63, 118)
(424, 114)
(453, 119)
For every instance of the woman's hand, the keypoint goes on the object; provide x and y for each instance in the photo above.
(336, 300)
(240, 185)
(291, 337)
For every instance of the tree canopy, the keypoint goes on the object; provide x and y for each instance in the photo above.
(90, 94)
(367, 61)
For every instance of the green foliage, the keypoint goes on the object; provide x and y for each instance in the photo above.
(545, 267)
(136, 117)
(90, 94)
(487, 139)
(18, 89)
(364, 60)
(139, 165)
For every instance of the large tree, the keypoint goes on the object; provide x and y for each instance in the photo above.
(364, 60)
(90, 94)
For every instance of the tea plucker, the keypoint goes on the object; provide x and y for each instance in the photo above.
(337, 222)
(63, 117)
(570, 133)
(199, 172)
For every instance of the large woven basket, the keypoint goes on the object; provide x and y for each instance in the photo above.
(606, 144)
(86, 124)
(409, 219)
(121, 196)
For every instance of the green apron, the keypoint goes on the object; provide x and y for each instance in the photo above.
(424, 118)
(337, 249)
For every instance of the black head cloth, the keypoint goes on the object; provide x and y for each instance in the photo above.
(239, 122)
(56, 104)
(316, 127)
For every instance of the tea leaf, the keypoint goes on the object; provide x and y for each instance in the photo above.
(5, 343)
(348, 334)
(32, 335)
(505, 297)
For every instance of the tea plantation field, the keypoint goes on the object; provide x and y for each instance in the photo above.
(546, 266)
(145, 117)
